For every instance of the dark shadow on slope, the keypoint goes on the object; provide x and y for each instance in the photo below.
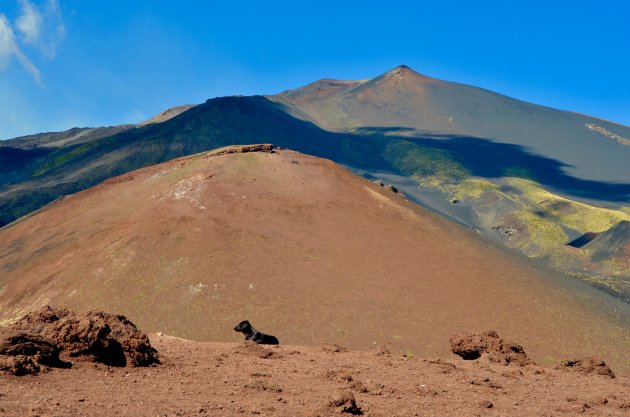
(490, 159)
(583, 240)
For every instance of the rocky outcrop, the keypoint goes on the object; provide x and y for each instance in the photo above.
(607, 133)
(586, 366)
(23, 353)
(490, 346)
(95, 336)
(264, 147)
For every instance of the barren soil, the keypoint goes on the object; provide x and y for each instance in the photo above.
(226, 379)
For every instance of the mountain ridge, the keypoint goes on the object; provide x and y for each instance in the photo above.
(537, 179)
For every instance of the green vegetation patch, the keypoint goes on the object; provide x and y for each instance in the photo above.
(470, 189)
(566, 259)
(64, 155)
(517, 172)
(578, 216)
(415, 160)
(544, 234)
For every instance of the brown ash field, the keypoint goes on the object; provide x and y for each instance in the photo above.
(233, 379)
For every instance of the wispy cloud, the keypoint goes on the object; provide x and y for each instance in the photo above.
(29, 23)
(39, 27)
(9, 48)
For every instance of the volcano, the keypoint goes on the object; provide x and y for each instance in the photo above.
(302, 248)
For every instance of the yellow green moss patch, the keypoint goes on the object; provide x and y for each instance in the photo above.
(544, 234)
(470, 189)
(573, 214)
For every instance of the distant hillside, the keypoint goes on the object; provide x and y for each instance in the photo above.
(53, 140)
(21, 158)
(216, 123)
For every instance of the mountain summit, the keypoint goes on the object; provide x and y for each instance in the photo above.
(403, 71)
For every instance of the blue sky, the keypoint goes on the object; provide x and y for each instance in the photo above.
(66, 63)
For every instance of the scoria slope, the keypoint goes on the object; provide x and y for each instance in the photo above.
(301, 247)
(403, 102)
(531, 177)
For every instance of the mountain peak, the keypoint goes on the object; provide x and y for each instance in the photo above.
(402, 71)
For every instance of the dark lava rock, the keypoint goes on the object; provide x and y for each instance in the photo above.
(509, 230)
(23, 353)
(95, 336)
(264, 147)
(592, 365)
(489, 345)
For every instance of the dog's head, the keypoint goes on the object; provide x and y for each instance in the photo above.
(243, 326)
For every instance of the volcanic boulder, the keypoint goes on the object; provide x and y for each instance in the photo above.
(592, 365)
(95, 336)
(489, 345)
(23, 353)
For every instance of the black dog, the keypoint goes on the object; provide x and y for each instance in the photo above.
(251, 334)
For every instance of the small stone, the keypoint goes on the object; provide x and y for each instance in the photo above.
(344, 402)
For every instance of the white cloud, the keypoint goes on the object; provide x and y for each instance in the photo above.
(9, 48)
(41, 27)
(38, 27)
(29, 23)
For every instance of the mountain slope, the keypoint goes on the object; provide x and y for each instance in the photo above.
(19, 157)
(216, 123)
(301, 247)
(612, 243)
(612, 248)
(69, 137)
(404, 100)
(529, 177)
